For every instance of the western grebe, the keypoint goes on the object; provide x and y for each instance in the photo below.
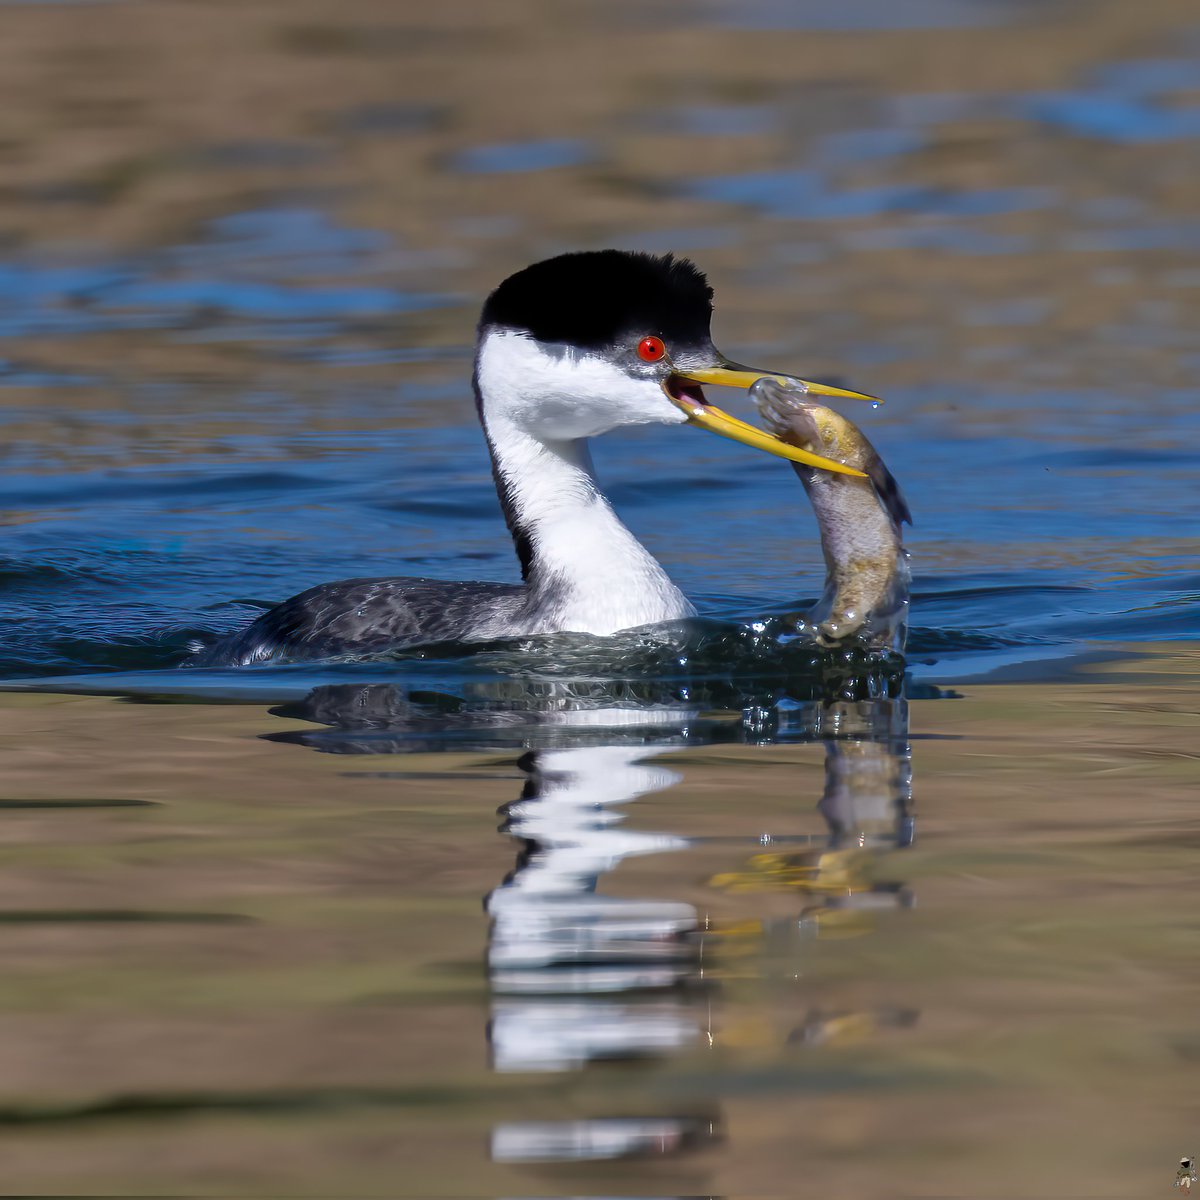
(566, 349)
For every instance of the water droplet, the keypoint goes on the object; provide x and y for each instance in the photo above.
(874, 403)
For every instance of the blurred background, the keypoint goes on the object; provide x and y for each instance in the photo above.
(243, 245)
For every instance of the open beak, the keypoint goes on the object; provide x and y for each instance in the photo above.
(729, 374)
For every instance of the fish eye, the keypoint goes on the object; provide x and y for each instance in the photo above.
(651, 349)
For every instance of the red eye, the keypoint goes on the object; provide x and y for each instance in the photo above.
(651, 349)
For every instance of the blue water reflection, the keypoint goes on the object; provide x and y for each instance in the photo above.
(522, 156)
(1127, 104)
(108, 569)
(863, 14)
(244, 268)
(148, 506)
(1114, 118)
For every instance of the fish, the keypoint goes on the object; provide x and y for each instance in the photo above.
(860, 520)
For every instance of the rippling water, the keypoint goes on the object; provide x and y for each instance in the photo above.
(751, 915)
(202, 425)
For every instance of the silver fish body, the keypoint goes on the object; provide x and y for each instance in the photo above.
(860, 519)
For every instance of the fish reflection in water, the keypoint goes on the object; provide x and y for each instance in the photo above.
(578, 976)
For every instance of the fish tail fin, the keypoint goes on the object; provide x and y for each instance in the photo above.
(888, 491)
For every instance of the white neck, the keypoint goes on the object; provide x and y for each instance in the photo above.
(588, 573)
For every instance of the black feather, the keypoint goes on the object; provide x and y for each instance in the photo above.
(597, 298)
(521, 537)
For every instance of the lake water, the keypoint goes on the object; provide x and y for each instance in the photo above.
(727, 924)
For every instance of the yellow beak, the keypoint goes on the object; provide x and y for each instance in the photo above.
(708, 416)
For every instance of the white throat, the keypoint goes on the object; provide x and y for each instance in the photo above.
(586, 572)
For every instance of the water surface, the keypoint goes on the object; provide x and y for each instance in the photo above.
(671, 924)
(887, 940)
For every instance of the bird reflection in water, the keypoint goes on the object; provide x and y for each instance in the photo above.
(578, 976)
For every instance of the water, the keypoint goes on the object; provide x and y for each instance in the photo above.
(750, 914)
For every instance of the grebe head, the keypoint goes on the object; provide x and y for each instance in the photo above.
(577, 345)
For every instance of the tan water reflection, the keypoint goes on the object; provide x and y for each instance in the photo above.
(301, 1005)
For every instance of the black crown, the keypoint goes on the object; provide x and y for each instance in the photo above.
(599, 298)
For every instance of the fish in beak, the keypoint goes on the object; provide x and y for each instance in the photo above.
(679, 386)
